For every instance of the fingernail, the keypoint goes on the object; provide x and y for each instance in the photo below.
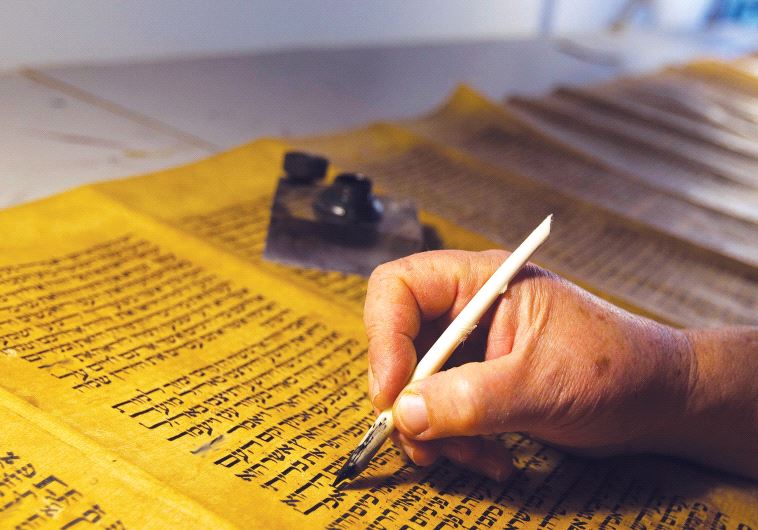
(499, 475)
(457, 452)
(408, 451)
(497, 470)
(412, 413)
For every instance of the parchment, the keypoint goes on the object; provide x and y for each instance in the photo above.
(156, 366)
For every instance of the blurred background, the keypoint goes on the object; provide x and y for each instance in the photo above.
(98, 89)
(47, 32)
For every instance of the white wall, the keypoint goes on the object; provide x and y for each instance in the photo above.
(583, 16)
(40, 32)
(60, 31)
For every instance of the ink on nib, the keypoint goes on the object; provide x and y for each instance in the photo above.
(348, 471)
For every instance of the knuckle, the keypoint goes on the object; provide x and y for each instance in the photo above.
(495, 255)
(380, 272)
(387, 271)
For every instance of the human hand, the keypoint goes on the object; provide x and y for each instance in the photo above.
(548, 359)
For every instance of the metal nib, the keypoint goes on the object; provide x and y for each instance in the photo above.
(347, 472)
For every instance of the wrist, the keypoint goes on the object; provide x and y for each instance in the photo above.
(670, 415)
(718, 422)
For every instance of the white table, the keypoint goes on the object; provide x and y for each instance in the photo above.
(67, 126)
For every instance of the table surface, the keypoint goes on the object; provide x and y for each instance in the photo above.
(67, 126)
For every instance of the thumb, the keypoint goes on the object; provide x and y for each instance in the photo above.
(472, 399)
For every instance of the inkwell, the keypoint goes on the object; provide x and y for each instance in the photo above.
(342, 226)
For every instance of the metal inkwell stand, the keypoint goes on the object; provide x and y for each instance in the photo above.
(340, 226)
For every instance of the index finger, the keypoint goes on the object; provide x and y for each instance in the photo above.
(404, 293)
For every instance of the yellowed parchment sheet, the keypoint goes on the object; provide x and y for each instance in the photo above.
(155, 365)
